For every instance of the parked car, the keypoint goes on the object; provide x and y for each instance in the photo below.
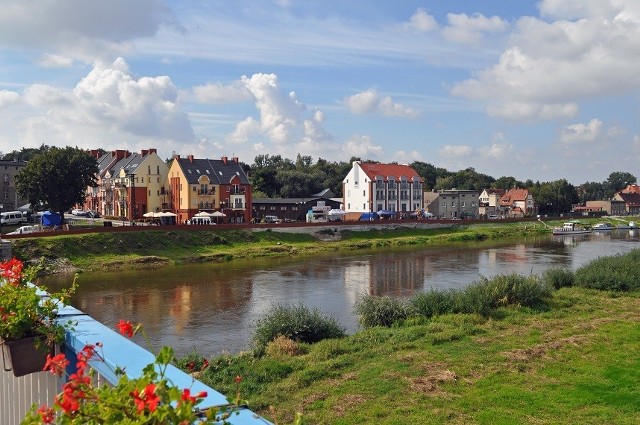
(11, 217)
(93, 214)
(271, 219)
(23, 230)
(80, 213)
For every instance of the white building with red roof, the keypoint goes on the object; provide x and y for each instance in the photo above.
(373, 187)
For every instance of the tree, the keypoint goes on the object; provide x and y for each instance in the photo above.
(57, 178)
(617, 181)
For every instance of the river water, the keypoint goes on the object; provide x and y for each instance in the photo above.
(213, 307)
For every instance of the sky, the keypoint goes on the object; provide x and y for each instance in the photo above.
(539, 90)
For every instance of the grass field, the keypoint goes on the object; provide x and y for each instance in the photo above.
(576, 363)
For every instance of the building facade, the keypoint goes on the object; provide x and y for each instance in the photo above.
(209, 185)
(517, 203)
(128, 184)
(452, 203)
(9, 197)
(372, 187)
(489, 202)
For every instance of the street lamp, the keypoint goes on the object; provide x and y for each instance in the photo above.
(1, 207)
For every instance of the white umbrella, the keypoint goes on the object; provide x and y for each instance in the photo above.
(218, 214)
(149, 214)
(166, 214)
(205, 214)
(337, 212)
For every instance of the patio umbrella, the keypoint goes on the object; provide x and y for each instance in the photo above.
(218, 214)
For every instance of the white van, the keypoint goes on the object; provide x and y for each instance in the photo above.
(11, 217)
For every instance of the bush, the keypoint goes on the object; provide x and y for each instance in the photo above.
(558, 278)
(619, 273)
(297, 323)
(433, 303)
(380, 311)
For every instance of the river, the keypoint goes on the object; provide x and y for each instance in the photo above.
(213, 307)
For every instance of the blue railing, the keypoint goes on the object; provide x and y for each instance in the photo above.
(123, 354)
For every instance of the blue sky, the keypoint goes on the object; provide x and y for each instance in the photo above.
(539, 90)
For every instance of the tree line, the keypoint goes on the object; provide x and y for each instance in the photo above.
(273, 176)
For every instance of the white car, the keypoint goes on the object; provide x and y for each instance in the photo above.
(23, 230)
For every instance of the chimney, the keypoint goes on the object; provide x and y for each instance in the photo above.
(144, 152)
(224, 159)
(120, 154)
(153, 150)
(235, 159)
(176, 155)
(190, 158)
(95, 153)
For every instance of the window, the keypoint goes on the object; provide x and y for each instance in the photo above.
(158, 169)
(149, 169)
(262, 207)
(364, 193)
(272, 208)
(464, 204)
(453, 203)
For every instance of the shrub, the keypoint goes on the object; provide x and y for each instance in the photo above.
(484, 296)
(283, 347)
(558, 278)
(619, 273)
(298, 323)
(380, 311)
(433, 303)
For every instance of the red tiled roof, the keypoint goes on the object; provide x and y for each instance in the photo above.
(389, 170)
(514, 195)
(632, 188)
(631, 199)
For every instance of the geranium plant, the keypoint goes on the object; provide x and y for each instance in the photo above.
(23, 312)
(149, 399)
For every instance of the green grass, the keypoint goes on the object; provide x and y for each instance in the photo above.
(578, 362)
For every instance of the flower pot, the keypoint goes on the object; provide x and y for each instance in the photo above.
(23, 357)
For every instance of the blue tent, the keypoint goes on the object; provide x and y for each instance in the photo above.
(368, 216)
(49, 219)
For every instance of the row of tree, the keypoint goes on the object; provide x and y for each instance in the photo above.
(57, 178)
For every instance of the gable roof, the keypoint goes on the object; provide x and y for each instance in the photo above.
(492, 191)
(514, 195)
(219, 171)
(389, 170)
(629, 198)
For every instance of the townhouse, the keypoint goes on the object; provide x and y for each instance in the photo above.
(517, 203)
(209, 185)
(374, 187)
(452, 203)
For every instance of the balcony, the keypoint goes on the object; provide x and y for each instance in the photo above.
(18, 394)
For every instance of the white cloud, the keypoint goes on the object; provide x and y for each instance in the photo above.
(284, 120)
(108, 106)
(422, 21)
(456, 151)
(552, 65)
(467, 29)
(361, 146)
(8, 98)
(55, 61)
(369, 102)
(404, 157)
(581, 133)
(220, 93)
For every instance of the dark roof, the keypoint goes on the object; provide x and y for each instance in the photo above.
(326, 193)
(216, 169)
(129, 164)
(283, 200)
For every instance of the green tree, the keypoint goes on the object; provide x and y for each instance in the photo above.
(25, 154)
(57, 178)
(554, 197)
(617, 181)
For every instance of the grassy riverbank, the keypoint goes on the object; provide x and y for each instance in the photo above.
(113, 251)
(575, 361)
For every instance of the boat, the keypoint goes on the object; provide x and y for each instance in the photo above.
(571, 228)
(603, 227)
(632, 225)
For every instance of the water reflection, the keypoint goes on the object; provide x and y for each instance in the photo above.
(214, 306)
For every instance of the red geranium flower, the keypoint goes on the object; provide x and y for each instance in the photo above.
(125, 328)
(56, 364)
(46, 414)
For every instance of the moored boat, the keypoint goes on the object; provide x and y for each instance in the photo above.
(602, 227)
(571, 228)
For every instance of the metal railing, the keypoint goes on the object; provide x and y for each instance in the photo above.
(17, 395)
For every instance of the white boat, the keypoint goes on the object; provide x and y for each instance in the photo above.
(603, 227)
(570, 228)
(632, 225)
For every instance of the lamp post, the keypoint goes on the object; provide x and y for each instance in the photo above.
(1, 207)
